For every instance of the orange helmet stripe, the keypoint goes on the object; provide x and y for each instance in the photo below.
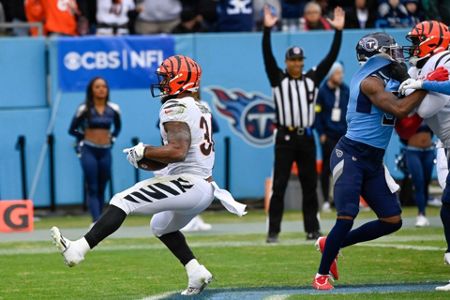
(178, 63)
(183, 74)
(198, 72)
(432, 37)
(440, 35)
(188, 68)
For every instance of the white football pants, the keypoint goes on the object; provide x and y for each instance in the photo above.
(173, 200)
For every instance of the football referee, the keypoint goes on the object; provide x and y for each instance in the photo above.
(295, 94)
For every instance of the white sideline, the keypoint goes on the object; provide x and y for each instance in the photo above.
(263, 293)
(277, 297)
(287, 242)
(403, 247)
(175, 293)
(161, 296)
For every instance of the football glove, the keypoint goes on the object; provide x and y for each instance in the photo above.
(135, 154)
(408, 126)
(410, 83)
(440, 74)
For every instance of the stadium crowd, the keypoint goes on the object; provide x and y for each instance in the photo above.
(146, 17)
(118, 17)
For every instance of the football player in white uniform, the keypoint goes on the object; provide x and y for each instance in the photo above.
(429, 54)
(187, 188)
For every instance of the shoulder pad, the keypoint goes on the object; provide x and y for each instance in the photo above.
(114, 106)
(81, 109)
(173, 107)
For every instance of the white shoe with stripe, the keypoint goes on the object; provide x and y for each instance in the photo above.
(72, 257)
(198, 280)
(444, 288)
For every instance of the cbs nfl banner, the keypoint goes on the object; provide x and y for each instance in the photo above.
(125, 62)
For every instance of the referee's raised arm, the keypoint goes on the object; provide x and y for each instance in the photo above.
(294, 93)
(274, 73)
(338, 22)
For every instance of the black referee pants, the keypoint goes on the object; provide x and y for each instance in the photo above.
(290, 147)
(327, 149)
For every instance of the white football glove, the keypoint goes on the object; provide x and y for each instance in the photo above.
(415, 84)
(135, 154)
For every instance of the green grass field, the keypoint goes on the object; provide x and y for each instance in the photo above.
(135, 268)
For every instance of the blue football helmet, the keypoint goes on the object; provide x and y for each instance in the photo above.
(379, 43)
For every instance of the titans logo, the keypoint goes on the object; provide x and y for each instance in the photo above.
(251, 116)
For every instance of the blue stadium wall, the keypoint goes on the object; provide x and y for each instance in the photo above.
(231, 62)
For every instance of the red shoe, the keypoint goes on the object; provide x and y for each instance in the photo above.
(320, 282)
(320, 245)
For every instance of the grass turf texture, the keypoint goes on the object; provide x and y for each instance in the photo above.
(140, 267)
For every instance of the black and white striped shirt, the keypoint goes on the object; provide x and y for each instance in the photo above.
(295, 98)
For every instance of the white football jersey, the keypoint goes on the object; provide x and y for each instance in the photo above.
(110, 13)
(200, 157)
(435, 107)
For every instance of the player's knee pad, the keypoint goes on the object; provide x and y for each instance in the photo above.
(158, 227)
(157, 231)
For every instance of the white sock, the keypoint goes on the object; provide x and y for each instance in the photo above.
(191, 266)
(81, 245)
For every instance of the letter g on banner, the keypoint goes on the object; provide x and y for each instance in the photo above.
(16, 215)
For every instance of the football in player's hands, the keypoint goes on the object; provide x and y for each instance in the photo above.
(440, 74)
(148, 164)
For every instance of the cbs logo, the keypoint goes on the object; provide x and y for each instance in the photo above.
(92, 60)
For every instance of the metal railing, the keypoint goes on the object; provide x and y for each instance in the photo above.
(20, 146)
(37, 25)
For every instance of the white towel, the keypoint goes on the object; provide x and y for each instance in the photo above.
(441, 164)
(392, 185)
(227, 200)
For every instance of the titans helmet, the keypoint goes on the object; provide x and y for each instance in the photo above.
(379, 43)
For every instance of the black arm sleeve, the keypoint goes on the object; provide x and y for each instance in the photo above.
(319, 122)
(274, 73)
(324, 66)
(399, 71)
(76, 124)
(117, 124)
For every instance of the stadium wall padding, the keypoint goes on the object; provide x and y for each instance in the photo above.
(23, 72)
(229, 61)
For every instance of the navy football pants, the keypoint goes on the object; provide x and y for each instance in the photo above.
(96, 164)
(420, 165)
(358, 170)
